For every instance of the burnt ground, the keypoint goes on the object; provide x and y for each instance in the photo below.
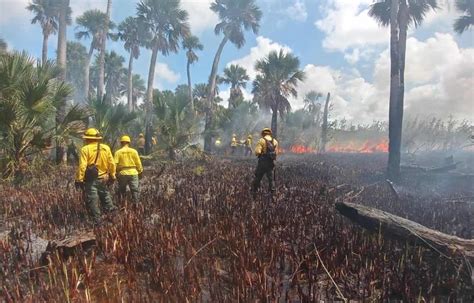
(198, 235)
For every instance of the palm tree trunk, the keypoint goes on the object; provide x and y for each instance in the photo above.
(149, 98)
(44, 53)
(275, 122)
(210, 98)
(61, 61)
(87, 71)
(130, 84)
(190, 88)
(100, 86)
(403, 26)
(394, 127)
(324, 127)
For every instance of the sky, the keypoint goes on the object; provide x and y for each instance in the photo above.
(341, 49)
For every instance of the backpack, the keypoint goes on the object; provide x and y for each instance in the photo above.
(92, 171)
(270, 150)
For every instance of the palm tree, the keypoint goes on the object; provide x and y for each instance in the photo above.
(31, 95)
(235, 17)
(399, 15)
(312, 105)
(132, 33)
(277, 80)
(46, 14)
(464, 22)
(190, 44)
(168, 24)
(138, 89)
(76, 59)
(325, 125)
(115, 76)
(237, 77)
(90, 25)
(3, 46)
(64, 13)
(104, 33)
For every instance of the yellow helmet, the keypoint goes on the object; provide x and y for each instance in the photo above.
(250, 137)
(125, 139)
(266, 130)
(140, 135)
(92, 134)
(234, 135)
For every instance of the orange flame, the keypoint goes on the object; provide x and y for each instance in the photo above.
(301, 149)
(367, 147)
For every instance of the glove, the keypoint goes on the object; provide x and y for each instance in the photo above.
(79, 184)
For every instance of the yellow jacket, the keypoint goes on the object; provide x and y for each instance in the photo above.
(105, 161)
(233, 142)
(141, 142)
(261, 147)
(248, 142)
(128, 162)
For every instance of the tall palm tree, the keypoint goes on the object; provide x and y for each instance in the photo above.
(104, 33)
(277, 80)
(64, 13)
(46, 14)
(138, 89)
(90, 25)
(237, 77)
(190, 44)
(464, 22)
(114, 74)
(235, 17)
(132, 33)
(399, 15)
(167, 24)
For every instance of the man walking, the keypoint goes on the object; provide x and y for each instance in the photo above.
(129, 167)
(141, 144)
(266, 151)
(95, 172)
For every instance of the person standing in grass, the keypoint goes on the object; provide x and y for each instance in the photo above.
(266, 151)
(95, 173)
(129, 167)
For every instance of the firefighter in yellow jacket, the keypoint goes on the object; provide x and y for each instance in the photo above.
(266, 151)
(95, 172)
(233, 144)
(129, 167)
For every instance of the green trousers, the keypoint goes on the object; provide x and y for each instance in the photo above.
(265, 167)
(96, 191)
(132, 183)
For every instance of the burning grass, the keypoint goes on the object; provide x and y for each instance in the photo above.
(200, 237)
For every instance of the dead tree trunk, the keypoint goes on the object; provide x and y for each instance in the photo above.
(398, 227)
(324, 128)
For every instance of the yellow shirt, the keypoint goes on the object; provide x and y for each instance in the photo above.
(218, 143)
(105, 161)
(233, 142)
(248, 142)
(261, 147)
(128, 162)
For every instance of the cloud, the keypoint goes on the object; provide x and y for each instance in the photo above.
(263, 47)
(14, 10)
(79, 7)
(297, 11)
(438, 79)
(348, 25)
(163, 73)
(201, 17)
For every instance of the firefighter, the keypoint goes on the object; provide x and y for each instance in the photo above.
(95, 172)
(129, 168)
(141, 144)
(266, 151)
(218, 145)
(233, 144)
(248, 146)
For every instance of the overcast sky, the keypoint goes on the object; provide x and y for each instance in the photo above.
(342, 50)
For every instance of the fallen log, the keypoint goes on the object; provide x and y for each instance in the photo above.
(398, 227)
(67, 246)
(443, 169)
